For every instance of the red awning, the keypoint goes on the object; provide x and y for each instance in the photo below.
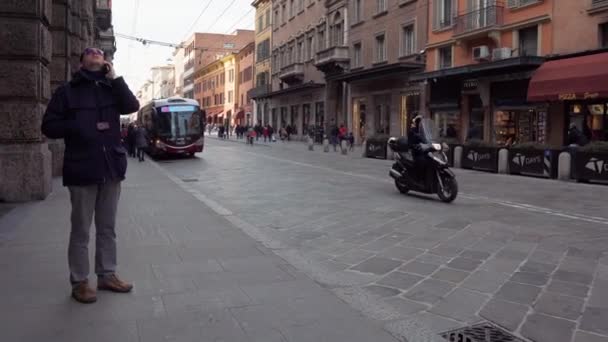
(240, 115)
(576, 78)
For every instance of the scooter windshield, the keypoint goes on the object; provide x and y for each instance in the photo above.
(428, 130)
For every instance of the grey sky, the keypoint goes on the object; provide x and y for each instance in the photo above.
(167, 21)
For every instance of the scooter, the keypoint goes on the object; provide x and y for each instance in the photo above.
(438, 178)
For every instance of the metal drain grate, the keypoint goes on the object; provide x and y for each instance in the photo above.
(480, 332)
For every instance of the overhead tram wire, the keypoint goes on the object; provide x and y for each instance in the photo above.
(220, 16)
(146, 41)
(238, 21)
(197, 19)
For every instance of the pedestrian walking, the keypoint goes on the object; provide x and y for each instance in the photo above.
(131, 140)
(141, 141)
(333, 136)
(265, 132)
(351, 141)
(86, 113)
(271, 133)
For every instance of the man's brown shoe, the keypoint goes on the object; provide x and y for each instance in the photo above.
(83, 293)
(113, 283)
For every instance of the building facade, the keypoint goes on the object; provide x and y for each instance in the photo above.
(41, 49)
(204, 48)
(210, 93)
(263, 65)
(163, 81)
(244, 85)
(297, 96)
(373, 48)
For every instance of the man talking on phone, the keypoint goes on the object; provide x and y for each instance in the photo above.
(85, 112)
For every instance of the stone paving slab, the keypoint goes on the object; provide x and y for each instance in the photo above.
(195, 276)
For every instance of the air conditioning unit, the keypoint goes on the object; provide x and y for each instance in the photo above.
(501, 53)
(481, 53)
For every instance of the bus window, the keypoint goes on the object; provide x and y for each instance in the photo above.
(179, 121)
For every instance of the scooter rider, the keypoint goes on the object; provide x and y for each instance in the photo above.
(416, 137)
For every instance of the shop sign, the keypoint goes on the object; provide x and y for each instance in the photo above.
(480, 158)
(532, 162)
(573, 96)
(376, 149)
(590, 166)
(469, 85)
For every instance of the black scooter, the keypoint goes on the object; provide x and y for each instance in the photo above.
(438, 178)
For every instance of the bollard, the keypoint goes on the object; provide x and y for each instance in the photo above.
(325, 145)
(458, 156)
(364, 149)
(564, 166)
(311, 144)
(344, 147)
(503, 161)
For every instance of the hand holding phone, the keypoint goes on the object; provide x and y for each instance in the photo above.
(108, 69)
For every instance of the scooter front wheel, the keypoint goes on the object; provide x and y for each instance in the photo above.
(401, 187)
(448, 192)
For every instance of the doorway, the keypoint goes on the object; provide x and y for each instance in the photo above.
(359, 119)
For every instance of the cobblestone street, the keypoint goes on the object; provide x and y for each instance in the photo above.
(525, 253)
(356, 261)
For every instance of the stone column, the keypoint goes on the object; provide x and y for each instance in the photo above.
(25, 54)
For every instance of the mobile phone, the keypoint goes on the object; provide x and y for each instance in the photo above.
(105, 69)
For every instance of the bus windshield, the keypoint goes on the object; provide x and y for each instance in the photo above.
(179, 121)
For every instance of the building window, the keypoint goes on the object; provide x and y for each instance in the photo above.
(301, 57)
(338, 39)
(445, 57)
(380, 48)
(311, 47)
(300, 5)
(260, 23)
(284, 13)
(604, 35)
(276, 16)
(380, 6)
(263, 50)
(408, 40)
(528, 41)
(357, 55)
(320, 39)
(230, 96)
(292, 9)
(358, 10)
(444, 12)
(231, 75)
(267, 18)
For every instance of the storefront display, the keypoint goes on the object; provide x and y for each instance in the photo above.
(382, 115)
(591, 120)
(519, 127)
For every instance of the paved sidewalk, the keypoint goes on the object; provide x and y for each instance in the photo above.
(197, 278)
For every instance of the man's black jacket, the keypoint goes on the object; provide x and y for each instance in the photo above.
(92, 156)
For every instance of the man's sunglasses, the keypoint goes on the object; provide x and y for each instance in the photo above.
(93, 51)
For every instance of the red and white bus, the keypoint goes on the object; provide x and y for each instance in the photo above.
(175, 126)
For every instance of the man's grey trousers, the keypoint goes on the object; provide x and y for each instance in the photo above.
(100, 201)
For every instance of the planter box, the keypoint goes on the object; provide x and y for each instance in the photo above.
(376, 149)
(480, 158)
(531, 162)
(590, 166)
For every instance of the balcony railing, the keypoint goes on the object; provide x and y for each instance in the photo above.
(292, 71)
(332, 58)
(103, 14)
(259, 91)
(479, 20)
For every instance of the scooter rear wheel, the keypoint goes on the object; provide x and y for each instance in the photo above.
(401, 187)
(449, 191)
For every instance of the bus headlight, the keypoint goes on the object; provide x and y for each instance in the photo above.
(200, 141)
(159, 144)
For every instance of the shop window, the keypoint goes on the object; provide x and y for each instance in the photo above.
(305, 118)
(591, 120)
(293, 118)
(604, 35)
(528, 41)
(320, 114)
(283, 116)
(410, 106)
(447, 125)
(476, 119)
(519, 126)
(445, 57)
(382, 114)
